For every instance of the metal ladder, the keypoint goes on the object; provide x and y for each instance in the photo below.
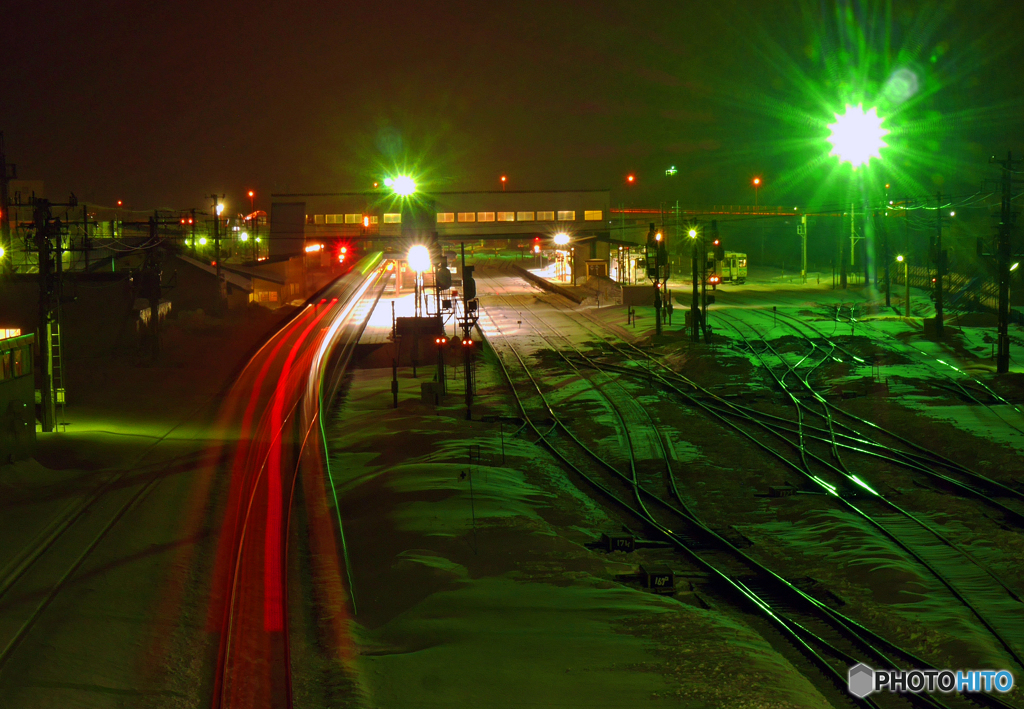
(57, 366)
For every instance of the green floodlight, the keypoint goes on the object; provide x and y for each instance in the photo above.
(403, 185)
(858, 135)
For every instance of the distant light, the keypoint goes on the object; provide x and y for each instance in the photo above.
(419, 258)
(251, 193)
(344, 249)
(375, 184)
(313, 248)
(119, 203)
(900, 258)
(257, 239)
(341, 257)
(952, 214)
(671, 171)
(1014, 266)
(657, 237)
(202, 241)
(561, 239)
(366, 220)
(243, 236)
(503, 178)
(536, 248)
(757, 181)
(220, 208)
(890, 201)
(403, 185)
(857, 135)
(692, 233)
(630, 178)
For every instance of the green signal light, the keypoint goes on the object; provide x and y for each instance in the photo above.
(858, 135)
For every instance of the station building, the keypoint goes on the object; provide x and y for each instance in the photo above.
(481, 220)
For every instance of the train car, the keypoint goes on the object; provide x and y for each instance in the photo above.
(731, 269)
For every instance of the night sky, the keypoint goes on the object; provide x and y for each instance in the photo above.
(160, 104)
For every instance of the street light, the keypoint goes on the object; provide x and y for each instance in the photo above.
(402, 185)
(220, 208)
(757, 185)
(561, 239)
(252, 201)
(692, 233)
(857, 135)
(419, 258)
(503, 180)
(906, 280)
(243, 236)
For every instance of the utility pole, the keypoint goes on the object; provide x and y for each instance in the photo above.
(695, 305)
(7, 173)
(41, 216)
(842, 254)
(1004, 252)
(801, 229)
(885, 245)
(221, 284)
(940, 263)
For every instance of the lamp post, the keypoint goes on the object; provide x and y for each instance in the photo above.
(856, 137)
(906, 281)
(695, 305)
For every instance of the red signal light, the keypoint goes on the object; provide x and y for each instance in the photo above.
(467, 342)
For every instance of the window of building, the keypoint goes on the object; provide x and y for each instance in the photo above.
(506, 216)
(445, 217)
(485, 216)
(592, 215)
(374, 220)
(545, 216)
(334, 218)
(318, 218)
(467, 216)
(393, 218)
(566, 216)
(353, 218)
(524, 216)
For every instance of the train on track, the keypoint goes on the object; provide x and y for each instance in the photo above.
(732, 268)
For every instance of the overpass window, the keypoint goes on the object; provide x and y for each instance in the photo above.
(485, 216)
(467, 216)
(506, 216)
(564, 216)
(353, 218)
(524, 216)
(545, 216)
(393, 218)
(445, 217)
(592, 215)
(318, 218)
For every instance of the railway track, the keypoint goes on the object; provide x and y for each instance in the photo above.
(251, 606)
(898, 524)
(830, 640)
